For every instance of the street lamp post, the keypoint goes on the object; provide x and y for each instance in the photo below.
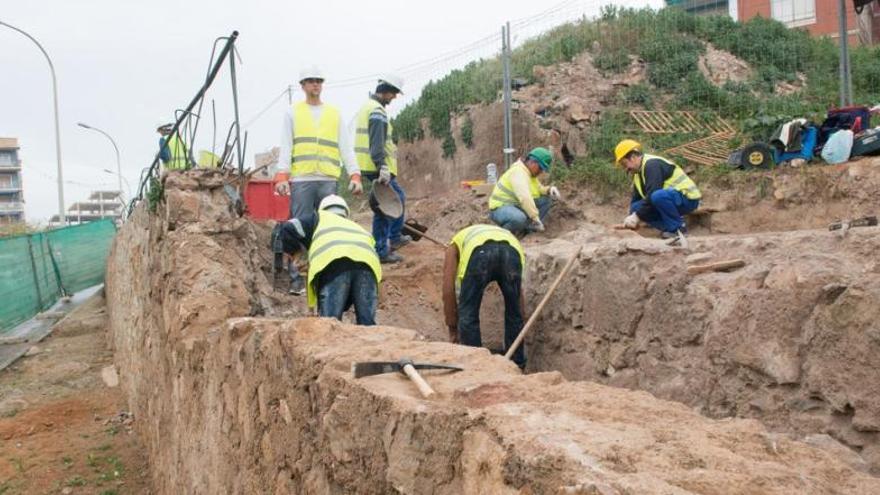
(62, 218)
(118, 161)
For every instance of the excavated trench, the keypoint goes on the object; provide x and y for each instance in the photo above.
(232, 399)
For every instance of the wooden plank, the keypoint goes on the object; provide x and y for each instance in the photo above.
(716, 267)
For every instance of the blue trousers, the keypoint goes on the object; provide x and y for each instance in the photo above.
(667, 208)
(498, 262)
(514, 219)
(357, 285)
(386, 230)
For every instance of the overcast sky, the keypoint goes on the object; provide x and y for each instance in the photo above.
(124, 66)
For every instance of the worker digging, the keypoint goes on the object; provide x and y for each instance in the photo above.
(662, 191)
(477, 256)
(344, 269)
(519, 202)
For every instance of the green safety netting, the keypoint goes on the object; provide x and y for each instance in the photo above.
(36, 268)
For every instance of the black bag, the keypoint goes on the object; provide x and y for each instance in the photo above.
(868, 143)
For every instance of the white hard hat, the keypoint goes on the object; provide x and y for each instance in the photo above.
(313, 72)
(334, 204)
(392, 80)
(163, 123)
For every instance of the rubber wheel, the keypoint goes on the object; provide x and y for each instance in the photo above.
(756, 155)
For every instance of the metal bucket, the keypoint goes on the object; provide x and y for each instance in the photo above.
(384, 199)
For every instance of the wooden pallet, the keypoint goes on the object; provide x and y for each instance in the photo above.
(660, 122)
(710, 150)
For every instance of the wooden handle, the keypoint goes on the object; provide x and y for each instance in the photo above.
(522, 334)
(716, 267)
(420, 382)
(422, 234)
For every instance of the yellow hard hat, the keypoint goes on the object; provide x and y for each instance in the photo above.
(624, 147)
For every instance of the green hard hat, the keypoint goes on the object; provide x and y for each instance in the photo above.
(543, 157)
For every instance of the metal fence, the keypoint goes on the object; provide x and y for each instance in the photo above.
(37, 269)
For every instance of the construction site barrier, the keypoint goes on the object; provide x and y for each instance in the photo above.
(37, 269)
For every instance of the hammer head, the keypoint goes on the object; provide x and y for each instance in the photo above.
(359, 370)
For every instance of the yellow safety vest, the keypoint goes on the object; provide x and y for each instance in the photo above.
(177, 148)
(503, 193)
(336, 238)
(470, 238)
(678, 180)
(362, 140)
(315, 146)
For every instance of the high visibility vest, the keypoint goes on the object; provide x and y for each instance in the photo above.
(678, 180)
(336, 238)
(315, 146)
(503, 193)
(362, 139)
(470, 238)
(177, 148)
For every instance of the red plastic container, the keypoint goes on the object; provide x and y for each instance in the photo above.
(262, 202)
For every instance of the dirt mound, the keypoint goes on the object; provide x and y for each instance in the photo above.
(249, 405)
(720, 67)
(790, 339)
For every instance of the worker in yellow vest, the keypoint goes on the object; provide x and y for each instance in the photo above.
(519, 202)
(662, 191)
(344, 269)
(477, 256)
(173, 152)
(314, 148)
(377, 159)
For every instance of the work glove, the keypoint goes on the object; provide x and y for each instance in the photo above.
(354, 184)
(536, 226)
(631, 221)
(554, 193)
(282, 187)
(384, 175)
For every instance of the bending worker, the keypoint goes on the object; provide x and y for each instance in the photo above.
(377, 159)
(519, 202)
(477, 256)
(662, 192)
(344, 269)
(172, 149)
(314, 146)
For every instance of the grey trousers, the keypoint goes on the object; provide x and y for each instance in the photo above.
(305, 196)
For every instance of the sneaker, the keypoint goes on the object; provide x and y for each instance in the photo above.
(391, 258)
(674, 235)
(297, 287)
(403, 241)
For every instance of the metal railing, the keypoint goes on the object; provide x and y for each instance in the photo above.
(12, 206)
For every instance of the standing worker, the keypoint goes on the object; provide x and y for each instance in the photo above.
(478, 255)
(314, 146)
(519, 202)
(377, 158)
(344, 269)
(662, 192)
(172, 149)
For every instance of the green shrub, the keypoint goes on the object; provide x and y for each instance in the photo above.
(448, 146)
(467, 132)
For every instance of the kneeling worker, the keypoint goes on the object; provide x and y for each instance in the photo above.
(344, 268)
(519, 202)
(662, 192)
(478, 255)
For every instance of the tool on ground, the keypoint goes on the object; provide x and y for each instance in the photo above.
(534, 317)
(858, 222)
(405, 366)
(416, 231)
(719, 266)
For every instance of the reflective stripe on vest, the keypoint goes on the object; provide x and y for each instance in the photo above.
(470, 238)
(315, 147)
(362, 140)
(503, 193)
(678, 180)
(336, 238)
(177, 148)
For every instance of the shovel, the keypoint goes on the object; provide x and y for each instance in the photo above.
(405, 366)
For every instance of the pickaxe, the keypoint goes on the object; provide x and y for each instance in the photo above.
(405, 366)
